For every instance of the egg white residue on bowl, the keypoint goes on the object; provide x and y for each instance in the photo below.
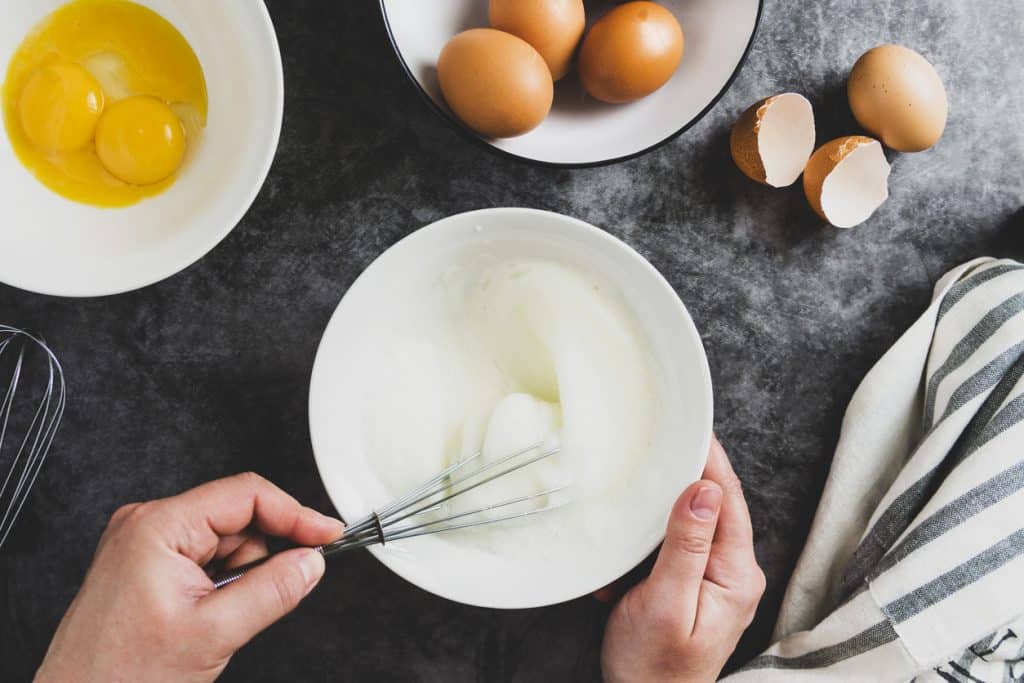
(497, 354)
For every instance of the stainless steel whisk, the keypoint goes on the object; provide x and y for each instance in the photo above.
(408, 515)
(26, 455)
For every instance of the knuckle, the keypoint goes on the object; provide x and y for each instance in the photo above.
(694, 542)
(147, 515)
(752, 592)
(131, 517)
(122, 519)
(124, 512)
(250, 478)
(760, 581)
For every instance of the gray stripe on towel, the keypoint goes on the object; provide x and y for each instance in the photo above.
(968, 284)
(983, 379)
(954, 580)
(876, 636)
(971, 439)
(1005, 419)
(897, 517)
(983, 330)
(978, 499)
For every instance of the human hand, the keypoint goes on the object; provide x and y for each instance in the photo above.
(682, 622)
(147, 611)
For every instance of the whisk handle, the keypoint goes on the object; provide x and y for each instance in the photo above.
(237, 573)
(327, 550)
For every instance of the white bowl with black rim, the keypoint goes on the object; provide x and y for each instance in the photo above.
(581, 131)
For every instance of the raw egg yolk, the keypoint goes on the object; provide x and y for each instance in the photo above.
(140, 140)
(60, 105)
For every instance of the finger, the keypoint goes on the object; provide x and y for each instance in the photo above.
(732, 561)
(675, 580)
(229, 544)
(735, 516)
(253, 549)
(266, 593)
(228, 506)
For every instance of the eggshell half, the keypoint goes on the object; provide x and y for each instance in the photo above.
(773, 139)
(846, 180)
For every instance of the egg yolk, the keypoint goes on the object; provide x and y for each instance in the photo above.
(60, 105)
(140, 140)
(101, 101)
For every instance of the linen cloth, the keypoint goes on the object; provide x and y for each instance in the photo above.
(914, 567)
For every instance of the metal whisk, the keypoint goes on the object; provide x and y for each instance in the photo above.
(408, 515)
(42, 409)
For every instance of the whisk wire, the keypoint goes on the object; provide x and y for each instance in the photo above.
(450, 486)
(385, 524)
(382, 526)
(31, 451)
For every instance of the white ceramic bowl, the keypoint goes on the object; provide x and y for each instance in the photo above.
(581, 131)
(459, 571)
(52, 245)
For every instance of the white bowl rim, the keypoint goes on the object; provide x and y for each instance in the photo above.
(216, 237)
(705, 390)
(474, 137)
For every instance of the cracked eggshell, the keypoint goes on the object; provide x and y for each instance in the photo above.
(847, 179)
(773, 139)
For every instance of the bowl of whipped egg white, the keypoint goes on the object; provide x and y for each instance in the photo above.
(487, 332)
(135, 136)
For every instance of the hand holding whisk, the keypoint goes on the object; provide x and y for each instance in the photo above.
(411, 515)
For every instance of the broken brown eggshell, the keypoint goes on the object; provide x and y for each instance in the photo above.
(846, 180)
(772, 141)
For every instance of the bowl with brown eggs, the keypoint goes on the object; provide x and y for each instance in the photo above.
(135, 136)
(571, 83)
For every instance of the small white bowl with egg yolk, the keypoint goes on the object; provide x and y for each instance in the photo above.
(492, 330)
(53, 245)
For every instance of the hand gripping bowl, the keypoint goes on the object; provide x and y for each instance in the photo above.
(51, 245)
(460, 571)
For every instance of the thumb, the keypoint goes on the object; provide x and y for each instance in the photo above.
(265, 594)
(675, 580)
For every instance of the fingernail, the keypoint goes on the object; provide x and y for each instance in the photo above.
(704, 504)
(311, 564)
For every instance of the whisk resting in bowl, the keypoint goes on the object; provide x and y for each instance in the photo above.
(41, 408)
(409, 516)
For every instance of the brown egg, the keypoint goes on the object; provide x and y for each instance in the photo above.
(897, 96)
(630, 52)
(553, 27)
(496, 83)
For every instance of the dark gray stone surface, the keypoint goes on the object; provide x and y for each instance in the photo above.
(206, 373)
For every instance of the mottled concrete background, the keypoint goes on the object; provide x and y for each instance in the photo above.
(206, 374)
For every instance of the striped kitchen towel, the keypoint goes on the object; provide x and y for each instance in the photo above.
(914, 567)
